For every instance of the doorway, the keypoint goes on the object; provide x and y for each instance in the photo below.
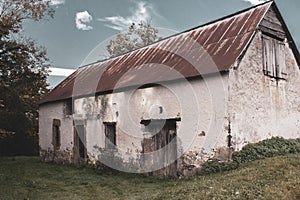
(80, 152)
(163, 142)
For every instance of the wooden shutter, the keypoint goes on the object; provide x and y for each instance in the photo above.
(274, 57)
(280, 60)
(268, 56)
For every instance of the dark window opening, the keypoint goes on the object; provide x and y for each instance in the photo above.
(110, 135)
(68, 107)
(56, 134)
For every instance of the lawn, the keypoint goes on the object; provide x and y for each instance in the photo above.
(29, 178)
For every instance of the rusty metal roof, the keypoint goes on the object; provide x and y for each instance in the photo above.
(206, 49)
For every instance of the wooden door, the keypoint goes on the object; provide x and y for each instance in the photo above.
(80, 152)
(164, 139)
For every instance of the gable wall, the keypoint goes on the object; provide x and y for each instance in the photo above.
(271, 24)
(260, 106)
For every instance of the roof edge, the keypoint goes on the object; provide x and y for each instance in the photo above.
(241, 55)
(291, 41)
(134, 86)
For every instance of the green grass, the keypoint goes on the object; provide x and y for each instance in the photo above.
(28, 178)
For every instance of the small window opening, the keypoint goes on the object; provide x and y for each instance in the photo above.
(69, 107)
(110, 135)
(56, 134)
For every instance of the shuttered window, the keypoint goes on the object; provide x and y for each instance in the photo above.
(274, 57)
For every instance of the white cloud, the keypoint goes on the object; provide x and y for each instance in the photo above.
(81, 20)
(60, 71)
(142, 12)
(56, 2)
(255, 2)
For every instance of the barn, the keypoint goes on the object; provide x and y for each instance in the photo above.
(166, 108)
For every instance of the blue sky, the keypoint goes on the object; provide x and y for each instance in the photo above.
(81, 29)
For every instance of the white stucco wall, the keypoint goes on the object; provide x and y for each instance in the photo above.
(199, 103)
(260, 106)
(47, 113)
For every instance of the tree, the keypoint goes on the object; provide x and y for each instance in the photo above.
(136, 37)
(23, 72)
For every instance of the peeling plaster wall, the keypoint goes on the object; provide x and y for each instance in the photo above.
(47, 113)
(260, 106)
(181, 100)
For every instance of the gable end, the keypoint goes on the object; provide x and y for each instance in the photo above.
(273, 25)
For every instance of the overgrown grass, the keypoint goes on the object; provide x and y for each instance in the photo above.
(28, 178)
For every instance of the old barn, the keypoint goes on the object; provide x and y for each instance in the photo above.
(166, 108)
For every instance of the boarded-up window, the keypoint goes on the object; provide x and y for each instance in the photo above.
(56, 134)
(274, 57)
(110, 135)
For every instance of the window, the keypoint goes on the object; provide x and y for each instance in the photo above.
(274, 57)
(68, 107)
(110, 135)
(56, 134)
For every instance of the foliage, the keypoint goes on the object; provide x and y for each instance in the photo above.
(28, 178)
(275, 146)
(23, 73)
(136, 37)
(14, 12)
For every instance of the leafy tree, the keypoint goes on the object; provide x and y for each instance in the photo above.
(23, 72)
(136, 37)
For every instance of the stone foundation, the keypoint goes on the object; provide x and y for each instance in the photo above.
(60, 156)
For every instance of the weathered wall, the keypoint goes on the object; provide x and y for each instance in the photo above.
(47, 113)
(260, 106)
(198, 134)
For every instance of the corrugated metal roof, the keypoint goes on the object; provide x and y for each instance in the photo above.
(182, 55)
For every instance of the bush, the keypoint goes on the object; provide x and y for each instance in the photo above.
(276, 146)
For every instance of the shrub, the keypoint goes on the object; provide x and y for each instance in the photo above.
(276, 146)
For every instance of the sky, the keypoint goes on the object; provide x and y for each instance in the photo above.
(80, 29)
